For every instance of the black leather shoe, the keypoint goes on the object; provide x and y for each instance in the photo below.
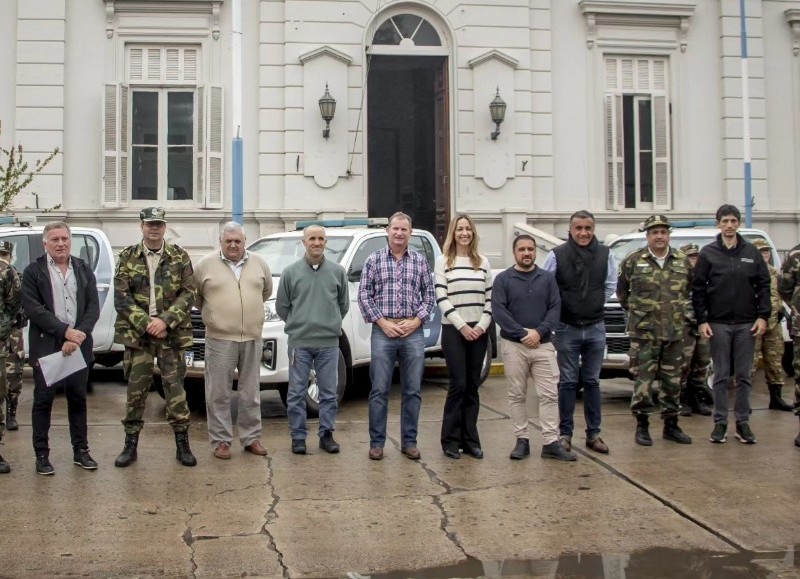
(473, 451)
(43, 466)
(5, 468)
(558, 452)
(298, 446)
(450, 453)
(328, 444)
(82, 458)
(521, 450)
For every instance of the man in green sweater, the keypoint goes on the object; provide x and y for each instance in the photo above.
(312, 300)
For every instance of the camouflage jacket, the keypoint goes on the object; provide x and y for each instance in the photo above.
(789, 286)
(775, 297)
(175, 295)
(657, 299)
(10, 300)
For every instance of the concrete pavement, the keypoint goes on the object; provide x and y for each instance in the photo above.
(662, 509)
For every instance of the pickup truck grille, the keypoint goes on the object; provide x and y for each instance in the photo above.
(615, 319)
(198, 336)
(617, 345)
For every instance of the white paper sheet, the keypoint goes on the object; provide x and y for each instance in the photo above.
(57, 366)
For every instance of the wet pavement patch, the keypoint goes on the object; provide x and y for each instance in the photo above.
(656, 563)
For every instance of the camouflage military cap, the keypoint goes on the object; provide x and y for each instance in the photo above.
(151, 214)
(6, 247)
(655, 220)
(690, 249)
(761, 244)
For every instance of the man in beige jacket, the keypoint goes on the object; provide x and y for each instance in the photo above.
(232, 286)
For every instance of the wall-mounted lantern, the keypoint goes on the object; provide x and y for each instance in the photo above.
(497, 108)
(327, 108)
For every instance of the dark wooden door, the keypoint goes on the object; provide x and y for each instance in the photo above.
(442, 148)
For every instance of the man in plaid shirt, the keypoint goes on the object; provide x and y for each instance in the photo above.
(396, 296)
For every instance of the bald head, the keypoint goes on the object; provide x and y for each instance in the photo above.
(314, 241)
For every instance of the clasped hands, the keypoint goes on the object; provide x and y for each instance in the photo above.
(73, 340)
(157, 328)
(533, 340)
(399, 329)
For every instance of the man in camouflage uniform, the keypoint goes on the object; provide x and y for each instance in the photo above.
(654, 286)
(789, 286)
(695, 393)
(769, 347)
(10, 304)
(153, 295)
(16, 351)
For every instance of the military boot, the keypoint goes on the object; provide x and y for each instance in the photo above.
(128, 455)
(700, 397)
(686, 404)
(5, 468)
(11, 413)
(183, 453)
(797, 441)
(642, 430)
(775, 400)
(673, 432)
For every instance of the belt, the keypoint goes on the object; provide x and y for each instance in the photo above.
(396, 320)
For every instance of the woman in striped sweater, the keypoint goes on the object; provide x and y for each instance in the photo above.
(464, 295)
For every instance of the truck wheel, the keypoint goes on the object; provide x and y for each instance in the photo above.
(312, 394)
(487, 365)
(788, 357)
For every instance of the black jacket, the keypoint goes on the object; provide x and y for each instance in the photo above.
(46, 332)
(731, 286)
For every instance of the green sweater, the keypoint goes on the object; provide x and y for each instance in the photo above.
(313, 303)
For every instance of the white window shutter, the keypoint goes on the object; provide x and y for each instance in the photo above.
(615, 161)
(214, 149)
(153, 64)
(662, 185)
(111, 148)
(136, 64)
(173, 64)
(124, 143)
(200, 161)
(190, 64)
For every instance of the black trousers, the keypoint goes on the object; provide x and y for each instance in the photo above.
(75, 391)
(464, 360)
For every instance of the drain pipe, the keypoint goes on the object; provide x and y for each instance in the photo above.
(748, 170)
(237, 146)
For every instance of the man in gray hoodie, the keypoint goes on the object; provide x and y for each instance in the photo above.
(312, 300)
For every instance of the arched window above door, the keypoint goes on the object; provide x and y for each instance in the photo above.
(406, 30)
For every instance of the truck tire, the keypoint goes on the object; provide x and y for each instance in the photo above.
(312, 394)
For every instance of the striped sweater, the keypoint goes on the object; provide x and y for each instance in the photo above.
(464, 295)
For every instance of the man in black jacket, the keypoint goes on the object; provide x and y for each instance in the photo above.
(731, 299)
(59, 295)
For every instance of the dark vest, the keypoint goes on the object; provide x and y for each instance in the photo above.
(581, 303)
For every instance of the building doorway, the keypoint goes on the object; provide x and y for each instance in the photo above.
(408, 140)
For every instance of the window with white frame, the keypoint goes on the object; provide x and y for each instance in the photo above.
(637, 129)
(162, 131)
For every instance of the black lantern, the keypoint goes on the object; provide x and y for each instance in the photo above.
(497, 108)
(327, 108)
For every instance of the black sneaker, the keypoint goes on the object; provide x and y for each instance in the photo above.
(327, 443)
(744, 434)
(718, 435)
(298, 446)
(43, 466)
(557, 451)
(82, 458)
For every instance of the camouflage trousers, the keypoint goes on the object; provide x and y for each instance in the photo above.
(769, 348)
(138, 371)
(3, 391)
(14, 362)
(796, 368)
(696, 361)
(656, 360)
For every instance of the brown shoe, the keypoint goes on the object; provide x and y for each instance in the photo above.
(256, 448)
(596, 444)
(411, 452)
(223, 451)
(375, 453)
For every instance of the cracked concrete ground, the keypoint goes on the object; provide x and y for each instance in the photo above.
(324, 515)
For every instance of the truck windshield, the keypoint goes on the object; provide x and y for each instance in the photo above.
(280, 252)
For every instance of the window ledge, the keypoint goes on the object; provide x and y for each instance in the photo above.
(638, 13)
(211, 7)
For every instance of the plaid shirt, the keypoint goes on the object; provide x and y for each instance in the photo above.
(392, 288)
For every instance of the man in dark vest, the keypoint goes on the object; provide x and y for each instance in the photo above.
(586, 274)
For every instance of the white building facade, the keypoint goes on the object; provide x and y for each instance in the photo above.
(621, 107)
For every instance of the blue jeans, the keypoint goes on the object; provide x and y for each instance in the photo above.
(326, 365)
(580, 357)
(410, 353)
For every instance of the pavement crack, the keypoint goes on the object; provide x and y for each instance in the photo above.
(270, 515)
(235, 490)
(189, 538)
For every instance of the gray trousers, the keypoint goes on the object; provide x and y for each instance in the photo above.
(223, 357)
(732, 343)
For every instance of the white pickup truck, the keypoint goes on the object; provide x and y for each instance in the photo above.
(92, 246)
(349, 243)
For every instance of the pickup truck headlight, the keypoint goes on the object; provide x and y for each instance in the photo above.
(270, 315)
